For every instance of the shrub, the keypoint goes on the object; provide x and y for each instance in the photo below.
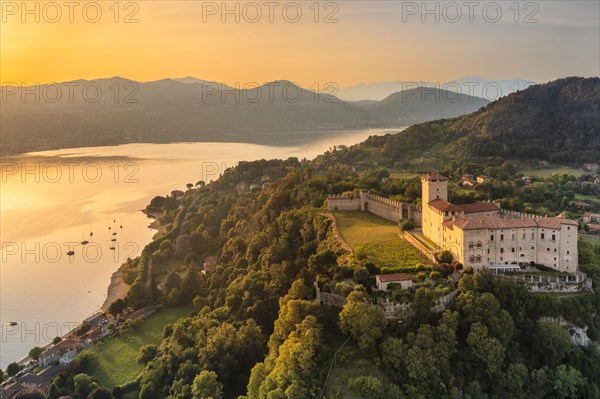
(435, 275)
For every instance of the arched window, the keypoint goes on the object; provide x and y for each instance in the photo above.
(479, 244)
(471, 258)
(470, 245)
(478, 258)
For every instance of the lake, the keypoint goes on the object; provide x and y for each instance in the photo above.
(51, 201)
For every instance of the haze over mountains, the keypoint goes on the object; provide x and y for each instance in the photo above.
(117, 111)
(558, 122)
(477, 86)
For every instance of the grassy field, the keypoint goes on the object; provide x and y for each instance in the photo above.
(357, 228)
(396, 255)
(115, 360)
(376, 240)
(547, 172)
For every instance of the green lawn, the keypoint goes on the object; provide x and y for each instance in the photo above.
(115, 360)
(396, 255)
(376, 240)
(357, 228)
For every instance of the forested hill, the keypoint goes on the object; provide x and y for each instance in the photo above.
(557, 121)
(257, 333)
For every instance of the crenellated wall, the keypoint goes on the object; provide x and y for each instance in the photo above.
(384, 207)
(339, 203)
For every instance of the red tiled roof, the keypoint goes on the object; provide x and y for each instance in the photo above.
(496, 222)
(444, 206)
(433, 177)
(480, 207)
(389, 278)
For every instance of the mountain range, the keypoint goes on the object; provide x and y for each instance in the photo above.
(117, 111)
(476, 86)
(558, 122)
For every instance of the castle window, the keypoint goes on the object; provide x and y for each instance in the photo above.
(568, 228)
(542, 236)
(568, 252)
(470, 245)
(478, 258)
(512, 249)
(471, 258)
(501, 250)
(547, 249)
(532, 236)
(554, 249)
(553, 237)
(501, 237)
(491, 237)
(523, 235)
(479, 244)
(512, 236)
(532, 248)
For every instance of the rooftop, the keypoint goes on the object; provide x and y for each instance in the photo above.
(389, 278)
(433, 177)
(444, 206)
(497, 222)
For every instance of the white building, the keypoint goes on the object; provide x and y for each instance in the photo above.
(383, 280)
(482, 235)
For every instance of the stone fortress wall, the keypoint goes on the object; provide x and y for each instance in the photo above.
(386, 208)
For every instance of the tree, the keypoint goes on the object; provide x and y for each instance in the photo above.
(31, 393)
(567, 381)
(101, 393)
(364, 322)
(35, 352)
(53, 391)
(147, 353)
(83, 385)
(138, 295)
(172, 281)
(361, 275)
(550, 344)
(56, 340)
(299, 290)
(206, 386)
(445, 256)
(487, 353)
(117, 307)
(12, 369)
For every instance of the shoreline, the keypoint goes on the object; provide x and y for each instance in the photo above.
(117, 289)
(156, 224)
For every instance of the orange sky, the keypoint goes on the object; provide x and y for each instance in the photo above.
(370, 42)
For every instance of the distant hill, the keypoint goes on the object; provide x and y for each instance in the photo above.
(558, 121)
(421, 104)
(117, 111)
(477, 86)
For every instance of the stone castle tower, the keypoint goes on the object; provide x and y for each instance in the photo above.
(434, 186)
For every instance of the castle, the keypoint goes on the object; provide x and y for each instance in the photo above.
(481, 235)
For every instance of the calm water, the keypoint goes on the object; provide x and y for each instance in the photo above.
(51, 201)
